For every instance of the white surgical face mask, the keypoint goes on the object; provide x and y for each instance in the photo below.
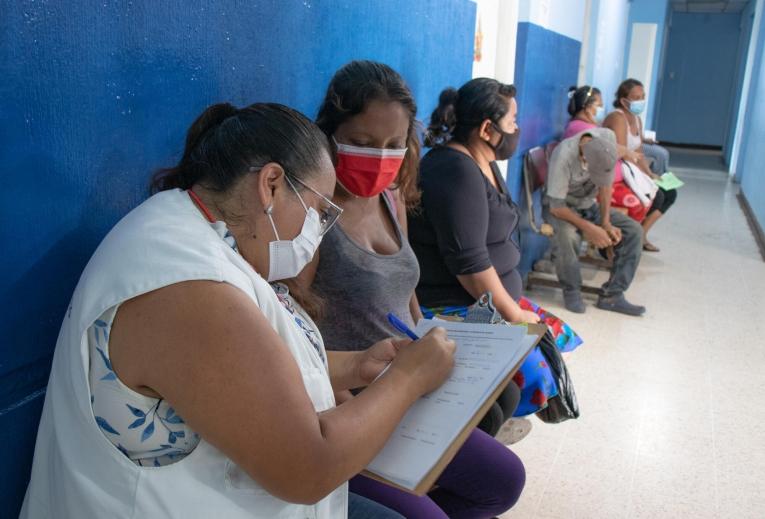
(287, 258)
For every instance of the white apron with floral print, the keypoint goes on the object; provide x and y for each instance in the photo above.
(77, 471)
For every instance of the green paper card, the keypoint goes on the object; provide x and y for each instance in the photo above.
(669, 181)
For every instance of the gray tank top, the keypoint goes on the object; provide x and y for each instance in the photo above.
(360, 287)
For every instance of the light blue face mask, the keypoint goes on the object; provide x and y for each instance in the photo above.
(600, 114)
(637, 107)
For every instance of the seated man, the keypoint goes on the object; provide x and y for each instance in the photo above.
(581, 169)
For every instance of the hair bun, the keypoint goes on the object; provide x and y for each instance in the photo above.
(443, 118)
(215, 115)
(211, 118)
(449, 97)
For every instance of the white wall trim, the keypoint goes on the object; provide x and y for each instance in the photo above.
(555, 15)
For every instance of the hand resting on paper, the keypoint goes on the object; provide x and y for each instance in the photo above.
(427, 362)
(526, 316)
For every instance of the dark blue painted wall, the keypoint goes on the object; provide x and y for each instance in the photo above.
(94, 96)
(546, 65)
(698, 78)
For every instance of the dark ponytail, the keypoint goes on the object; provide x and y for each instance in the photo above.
(443, 119)
(624, 90)
(184, 174)
(460, 111)
(225, 143)
(581, 98)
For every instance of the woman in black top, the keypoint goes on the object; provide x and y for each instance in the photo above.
(463, 237)
(463, 234)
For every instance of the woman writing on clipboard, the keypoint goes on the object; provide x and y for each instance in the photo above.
(187, 380)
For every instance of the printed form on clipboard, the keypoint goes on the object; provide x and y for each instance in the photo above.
(437, 425)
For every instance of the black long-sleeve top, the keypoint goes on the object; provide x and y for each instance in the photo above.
(465, 226)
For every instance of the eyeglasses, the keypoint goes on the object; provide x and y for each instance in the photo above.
(327, 215)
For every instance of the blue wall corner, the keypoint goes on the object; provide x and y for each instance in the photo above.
(750, 171)
(94, 97)
(546, 65)
(747, 24)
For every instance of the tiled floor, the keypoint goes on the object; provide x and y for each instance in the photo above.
(673, 403)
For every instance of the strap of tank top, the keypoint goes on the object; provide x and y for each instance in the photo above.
(640, 123)
(388, 194)
(629, 127)
(392, 205)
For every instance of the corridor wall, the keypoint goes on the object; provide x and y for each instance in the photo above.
(95, 96)
(607, 41)
(546, 65)
(752, 156)
(655, 12)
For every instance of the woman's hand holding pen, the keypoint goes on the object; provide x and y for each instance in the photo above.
(373, 361)
(427, 362)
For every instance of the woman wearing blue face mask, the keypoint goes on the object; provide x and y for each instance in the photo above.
(187, 381)
(626, 124)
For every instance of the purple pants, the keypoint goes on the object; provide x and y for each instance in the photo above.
(485, 479)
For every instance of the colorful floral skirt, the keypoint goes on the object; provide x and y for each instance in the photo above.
(534, 378)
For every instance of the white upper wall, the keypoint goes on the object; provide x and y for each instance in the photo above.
(496, 30)
(486, 29)
(607, 40)
(565, 17)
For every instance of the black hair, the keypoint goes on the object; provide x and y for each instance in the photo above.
(581, 98)
(624, 90)
(350, 91)
(460, 111)
(225, 143)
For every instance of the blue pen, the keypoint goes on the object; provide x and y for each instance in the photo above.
(403, 328)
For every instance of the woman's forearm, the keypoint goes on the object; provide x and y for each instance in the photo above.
(343, 369)
(622, 151)
(354, 432)
(489, 281)
(643, 163)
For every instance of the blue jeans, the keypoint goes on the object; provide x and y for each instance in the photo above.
(362, 508)
(659, 157)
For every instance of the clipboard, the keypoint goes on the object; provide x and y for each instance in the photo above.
(427, 483)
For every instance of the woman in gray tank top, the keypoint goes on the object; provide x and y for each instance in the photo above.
(366, 269)
(361, 285)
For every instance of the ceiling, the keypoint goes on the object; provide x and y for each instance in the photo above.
(709, 6)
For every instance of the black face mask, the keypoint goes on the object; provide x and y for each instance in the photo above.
(507, 144)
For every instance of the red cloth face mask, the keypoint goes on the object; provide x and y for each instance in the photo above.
(367, 172)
